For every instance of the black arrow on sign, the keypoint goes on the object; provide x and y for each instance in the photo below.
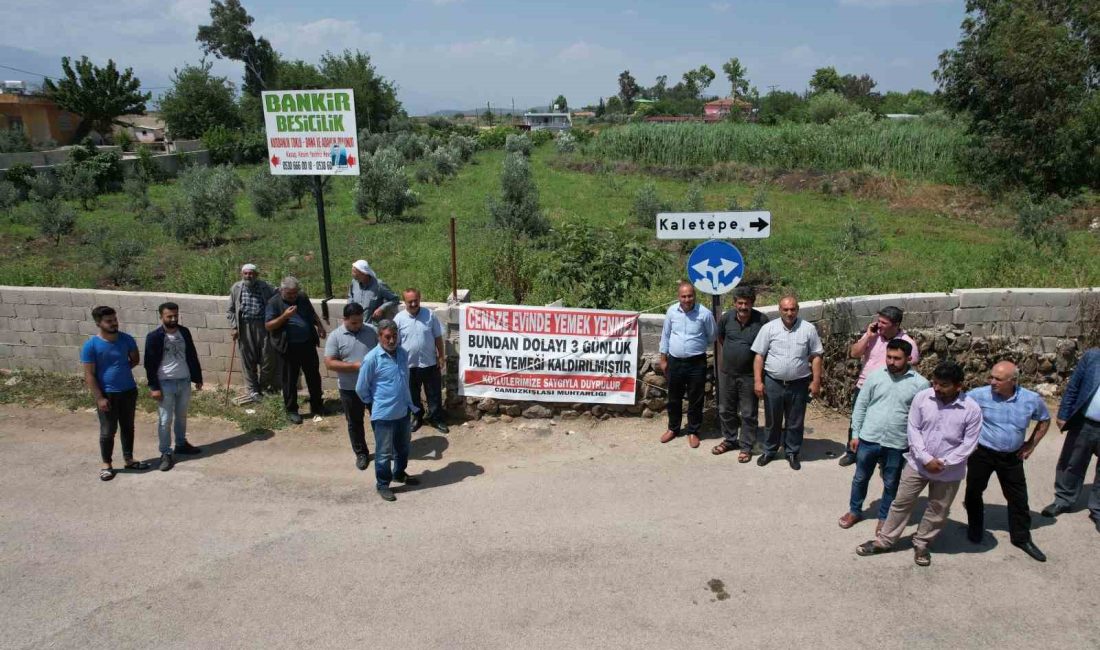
(759, 224)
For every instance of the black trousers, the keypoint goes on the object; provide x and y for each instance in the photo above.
(119, 415)
(354, 412)
(301, 358)
(687, 375)
(431, 381)
(983, 463)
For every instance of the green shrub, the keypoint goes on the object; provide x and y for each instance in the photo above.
(20, 175)
(827, 106)
(136, 190)
(411, 146)
(647, 203)
(146, 167)
(14, 141)
(424, 175)
(444, 163)
(105, 167)
(518, 143)
(43, 187)
(9, 196)
(383, 187)
(541, 137)
(124, 140)
(495, 137)
(604, 268)
(205, 206)
(78, 183)
(235, 146)
(517, 210)
(566, 143)
(463, 146)
(268, 193)
(1036, 223)
(54, 219)
(694, 200)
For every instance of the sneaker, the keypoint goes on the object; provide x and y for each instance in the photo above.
(406, 479)
(386, 494)
(441, 426)
(294, 418)
(166, 462)
(187, 449)
(361, 461)
(846, 460)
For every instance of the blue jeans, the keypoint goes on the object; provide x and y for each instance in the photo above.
(173, 406)
(391, 443)
(868, 456)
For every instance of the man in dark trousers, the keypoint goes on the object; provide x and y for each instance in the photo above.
(1079, 418)
(296, 331)
(1007, 409)
(738, 405)
(687, 333)
(248, 300)
(171, 366)
(109, 358)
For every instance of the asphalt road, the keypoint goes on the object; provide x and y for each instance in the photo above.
(577, 535)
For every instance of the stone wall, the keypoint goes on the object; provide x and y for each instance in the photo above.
(1044, 330)
(169, 163)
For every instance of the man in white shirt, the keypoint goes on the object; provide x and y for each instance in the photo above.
(422, 339)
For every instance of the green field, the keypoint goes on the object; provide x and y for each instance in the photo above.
(821, 246)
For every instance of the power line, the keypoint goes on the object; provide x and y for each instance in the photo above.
(52, 78)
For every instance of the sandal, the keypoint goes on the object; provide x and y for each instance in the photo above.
(722, 448)
(136, 465)
(744, 457)
(106, 474)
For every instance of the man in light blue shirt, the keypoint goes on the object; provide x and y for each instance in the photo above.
(880, 421)
(384, 383)
(422, 340)
(1007, 409)
(688, 332)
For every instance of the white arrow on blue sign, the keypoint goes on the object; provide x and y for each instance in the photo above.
(715, 267)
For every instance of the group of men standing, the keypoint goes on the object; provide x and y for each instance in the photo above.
(919, 434)
(382, 363)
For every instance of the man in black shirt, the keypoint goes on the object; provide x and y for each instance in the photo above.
(737, 404)
(295, 332)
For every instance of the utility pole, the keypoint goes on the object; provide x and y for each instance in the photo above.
(771, 89)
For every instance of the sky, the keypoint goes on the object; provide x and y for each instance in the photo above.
(460, 54)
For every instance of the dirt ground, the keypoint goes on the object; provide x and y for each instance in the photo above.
(523, 534)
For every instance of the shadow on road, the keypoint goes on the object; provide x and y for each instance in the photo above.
(428, 448)
(218, 447)
(455, 472)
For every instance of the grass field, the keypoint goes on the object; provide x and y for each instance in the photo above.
(821, 246)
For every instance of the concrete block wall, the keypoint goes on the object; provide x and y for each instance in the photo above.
(45, 327)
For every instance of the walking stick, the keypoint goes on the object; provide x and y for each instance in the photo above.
(229, 377)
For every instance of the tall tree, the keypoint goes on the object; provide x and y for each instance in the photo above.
(229, 36)
(1027, 73)
(197, 102)
(98, 95)
(628, 89)
(600, 108)
(826, 79)
(659, 89)
(857, 88)
(291, 75)
(561, 103)
(738, 77)
(696, 81)
(376, 103)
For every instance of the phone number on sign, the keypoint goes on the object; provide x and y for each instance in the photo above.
(299, 165)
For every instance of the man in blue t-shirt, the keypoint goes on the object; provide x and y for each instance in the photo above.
(1007, 410)
(108, 358)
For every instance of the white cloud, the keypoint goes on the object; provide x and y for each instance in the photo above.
(801, 55)
(309, 40)
(491, 47)
(582, 51)
(720, 7)
(193, 12)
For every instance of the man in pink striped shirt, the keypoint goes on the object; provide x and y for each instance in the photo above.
(944, 425)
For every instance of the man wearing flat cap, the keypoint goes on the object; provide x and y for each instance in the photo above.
(366, 289)
(247, 301)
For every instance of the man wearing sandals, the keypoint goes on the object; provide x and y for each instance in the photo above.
(737, 404)
(944, 425)
(108, 359)
(880, 420)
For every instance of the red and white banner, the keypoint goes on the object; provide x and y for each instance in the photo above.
(548, 354)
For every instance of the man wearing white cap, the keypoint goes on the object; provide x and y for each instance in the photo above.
(247, 301)
(370, 292)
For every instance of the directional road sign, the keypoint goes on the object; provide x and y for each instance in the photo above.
(715, 267)
(714, 225)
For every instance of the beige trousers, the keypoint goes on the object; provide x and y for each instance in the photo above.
(940, 496)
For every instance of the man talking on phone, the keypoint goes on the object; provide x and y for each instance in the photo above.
(870, 349)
